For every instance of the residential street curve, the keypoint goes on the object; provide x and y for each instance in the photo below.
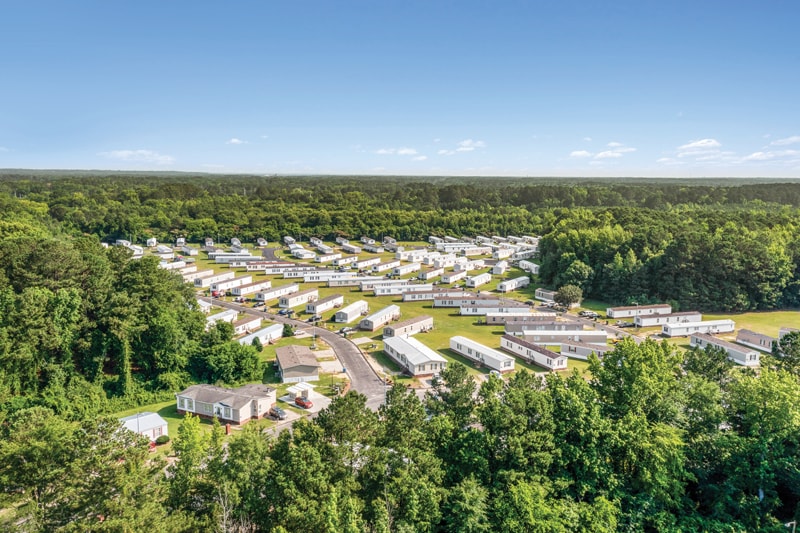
(363, 377)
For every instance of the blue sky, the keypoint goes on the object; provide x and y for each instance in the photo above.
(549, 88)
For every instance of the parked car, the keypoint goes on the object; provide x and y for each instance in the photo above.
(277, 413)
(314, 318)
(283, 312)
(588, 314)
(305, 403)
(621, 324)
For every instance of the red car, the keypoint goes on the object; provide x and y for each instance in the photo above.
(305, 403)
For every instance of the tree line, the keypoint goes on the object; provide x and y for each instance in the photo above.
(651, 441)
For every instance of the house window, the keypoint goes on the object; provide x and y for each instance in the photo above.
(190, 405)
(207, 408)
(181, 403)
(227, 413)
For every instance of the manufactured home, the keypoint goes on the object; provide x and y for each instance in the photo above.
(433, 294)
(518, 328)
(383, 267)
(198, 274)
(296, 364)
(481, 354)
(402, 270)
(499, 319)
(474, 282)
(236, 406)
(736, 353)
(251, 288)
(351, 312)
(759, 341)
(533, 353)
(631, 311)
(205, 282)
(452, 277)
(408, 327)
(529, 266)
(227, 284)
(428, 275)
(397, 289)
(513, 284)
(499, 268)
(556, 337)
(363, 264)
(298, 298)
(229, 315)
(684, 329)
(380, 318)
(265, 336)
(325, 304)
(349, 248)
(645, 321)
(413, 356)
(276, 292)
(544, 295)
(246, 325)
(582, 350)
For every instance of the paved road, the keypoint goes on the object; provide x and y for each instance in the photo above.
(362, 376)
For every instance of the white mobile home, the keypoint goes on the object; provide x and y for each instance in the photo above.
(532, 353)
(452, 277)
(344, 261)
(500, 268)
(229, 315)
(373, 248)
(499, 319)
(544, 295)
(383, 267)
(513, 284)
(369, 285)
(402, 270)
(409, 327)
(261, 241)
(349, 248)
(204, 282)
(302, 253)
(198, 274)
(351, 312)
(225, 285)
(327, 258)
(355, 281)
(146, 424)
(189, 250)
(288, 240)
(189, 269)
(474, 282)
(251, 288)
(631, 311)
(482, 354)
(461, 299)
(265, 335)
(502, 253)
(324, 249)
(246, 325)
(520, 328)
(645, 321)
(484, 308)
(298, 298)
(415, 358)
(529, 266)
(322, 276)
(430, 274)
(380, 318)
(738, 354)
(476, 250)
(394, 290)
(684, 329)
(276, 292)
(433, 294)
(445, 261)
(204, 306)
(582, 350)
(366, 263)
(174, 265)
(325, 304)
(556, 337)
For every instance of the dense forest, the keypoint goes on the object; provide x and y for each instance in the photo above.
(648, 440)
(652, 441)
(699, 245)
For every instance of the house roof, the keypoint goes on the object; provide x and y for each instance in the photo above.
(411, 321)
(415, 352)
(294, 356)
(532, 346)
(631, 307)
(235, 398)
(143, 422)
(594, 347)
(711, 339)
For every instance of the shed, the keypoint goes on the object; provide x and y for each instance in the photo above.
(296, 364)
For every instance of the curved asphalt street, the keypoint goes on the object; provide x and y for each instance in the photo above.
(363, 377)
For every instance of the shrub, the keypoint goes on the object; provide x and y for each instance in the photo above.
(162, 439)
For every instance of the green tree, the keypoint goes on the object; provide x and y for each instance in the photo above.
(568, 295)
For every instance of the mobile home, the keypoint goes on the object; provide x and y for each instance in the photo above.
(408, 327)
(413, 356)
(736, 353)
(351, 312)
(533, 353)
(484, 355)
(380, 318)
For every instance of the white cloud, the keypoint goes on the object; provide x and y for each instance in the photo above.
(771, 155)
(794, 139)
(580, 154)
(468, 145)
(702, 144)
(396, 151)
(139, 156)
(624, 149)
(419, 158)
(609, 154)
(235, 141)
(614, 144)
(587, 139)
(446, 152)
